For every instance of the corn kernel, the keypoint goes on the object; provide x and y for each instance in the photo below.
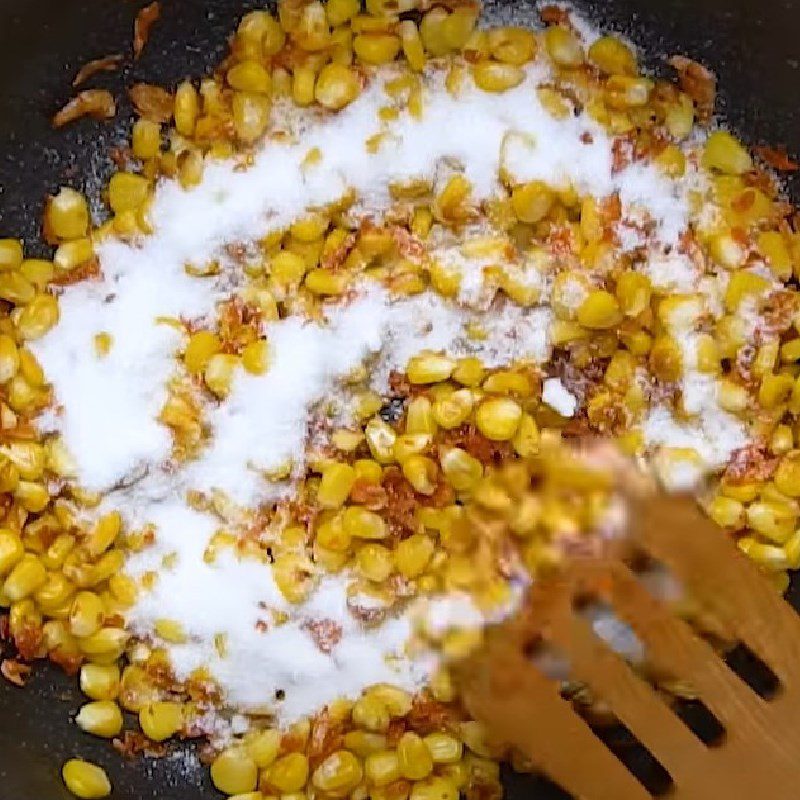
(85, 780)
(234, 772)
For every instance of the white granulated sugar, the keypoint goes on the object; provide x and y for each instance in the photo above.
(262, 424)
(555, 395)
(714, 433)
(110, 404)
(671, 272)
(235, 598)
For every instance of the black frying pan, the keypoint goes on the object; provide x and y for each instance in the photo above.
(753, 47)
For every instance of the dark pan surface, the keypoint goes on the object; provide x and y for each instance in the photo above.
(753, 47)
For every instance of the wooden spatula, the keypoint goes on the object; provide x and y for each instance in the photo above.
(757, 758)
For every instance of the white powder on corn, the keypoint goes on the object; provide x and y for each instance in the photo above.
(266, 666)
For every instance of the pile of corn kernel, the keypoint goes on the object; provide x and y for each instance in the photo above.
(386, 496)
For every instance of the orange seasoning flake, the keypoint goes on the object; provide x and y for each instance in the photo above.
(151, 102)
(90, 68)
(95, 103)
(14, 671)
(777, 158)
(144, 21)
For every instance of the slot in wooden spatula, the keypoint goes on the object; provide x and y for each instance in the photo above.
(757, 758)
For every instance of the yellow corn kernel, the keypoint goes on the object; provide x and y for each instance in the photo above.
(431, 30)
(414, 758)
(469, 371)
(293, 574)
(368, 470)
(100, 681)
(126, 191)
(219, 373)
(364, 743)
(85, 780)
(255, 357)
(326, 281)
(338, 774)
(769, 556)
(461, 470)
(341, 11)
(599, 311)
(187, 104)
(234, 772)
(25, 578)
(772, 245)
(360, 523)
(380, 439)
(413, 47)
(666, 360)
(287, 268)
(726, 154)
(371, 714)
(420, 472)
(429, 367)
(773, 520)
(409, 444)
(104, 533)
(498, 418)
(289, 773)
(38, 317)
(786, 478)
(622, 92)
(66, 216)
(419, 417)
(726, 511)
(249, 76)
(679, 117)
(563, 46)
(612, 56)
(86, 614)
(100, 718)
(337, 481)
(412, 555)
(382, 768)
(526, 440)
(161, 720)
(374, 562)
(337, 86)
(376, 48)
(492, 76)
(250, 115)
(146, 139)
(16, 288)
(9, 358)
(263, 747)
(532, 201)
(444, 748)
(11, 254)
(70, 255)
(437, 787)
(726, 250)
(104, 646)
(774, 390)
(452, 410)
(743, 286)
(512, 45)
(11, 550)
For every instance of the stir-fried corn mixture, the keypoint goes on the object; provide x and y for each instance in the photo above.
(391, 497)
